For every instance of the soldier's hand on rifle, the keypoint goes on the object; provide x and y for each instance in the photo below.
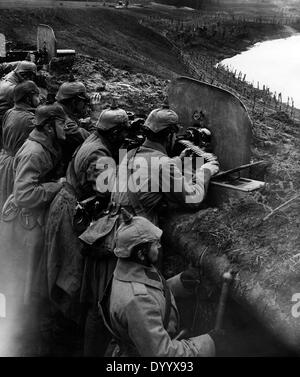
(211, 163)
(187, 152)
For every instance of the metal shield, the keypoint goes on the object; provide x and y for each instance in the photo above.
(46, 39)
(201, 104)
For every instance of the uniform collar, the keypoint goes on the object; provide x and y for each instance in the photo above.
(104, 141)
(41, 138)
(134, 272)
(153, 145)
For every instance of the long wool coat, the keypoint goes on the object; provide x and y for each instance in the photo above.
(16, 127)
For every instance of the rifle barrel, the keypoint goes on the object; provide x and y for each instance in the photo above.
(234, 170)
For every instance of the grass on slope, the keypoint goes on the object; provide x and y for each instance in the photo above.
(112, 35)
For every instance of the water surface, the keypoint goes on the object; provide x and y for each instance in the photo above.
(275, 64)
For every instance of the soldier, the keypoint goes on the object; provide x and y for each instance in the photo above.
(18, 123)
(156, 169)
(24, 71)
(139, 307)
(22, 223)
(160, 179)
(73, 99)
(62, 254)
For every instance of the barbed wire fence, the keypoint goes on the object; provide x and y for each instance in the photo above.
(257, 95)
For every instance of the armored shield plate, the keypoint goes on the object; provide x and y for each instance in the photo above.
(46, 38)
(2, 46)
(201, 104)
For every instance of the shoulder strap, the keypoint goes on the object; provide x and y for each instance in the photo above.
(138, 288)
(103, 307)
(167, 294)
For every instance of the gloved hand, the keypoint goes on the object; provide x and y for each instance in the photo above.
(220, 338)
(211, 163)
(190, 278)
(213, 167)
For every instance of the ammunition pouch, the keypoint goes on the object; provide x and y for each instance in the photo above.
(10, 210)
(26, 217)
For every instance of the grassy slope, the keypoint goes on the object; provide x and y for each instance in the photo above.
(112, 35)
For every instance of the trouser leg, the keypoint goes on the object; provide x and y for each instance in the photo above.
(96, 335)
(61, 336)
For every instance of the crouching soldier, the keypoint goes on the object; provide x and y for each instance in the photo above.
(22, 223)
(18, 123)
(141, 311)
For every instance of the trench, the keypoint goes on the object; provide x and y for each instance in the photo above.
(254, 324)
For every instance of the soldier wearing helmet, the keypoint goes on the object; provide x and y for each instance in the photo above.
(154, 165)
(17, 125)
(139, 306)
(25, 70)
(73, 99)
(22, 225)
(160, 178)
(105, 141)
(99, 149)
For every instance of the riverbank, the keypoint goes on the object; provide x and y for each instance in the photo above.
(252, 35)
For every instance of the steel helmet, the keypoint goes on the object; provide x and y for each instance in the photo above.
(136, 230)
(160, 119)
(47, 112)
(70, 90)
(26, 66)
(23, 89)
(111, 118)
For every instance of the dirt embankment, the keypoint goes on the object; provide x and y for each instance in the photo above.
(114, 36)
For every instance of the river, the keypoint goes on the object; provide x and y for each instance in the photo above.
(274, 63)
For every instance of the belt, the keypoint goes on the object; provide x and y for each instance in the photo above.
(27, 218)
